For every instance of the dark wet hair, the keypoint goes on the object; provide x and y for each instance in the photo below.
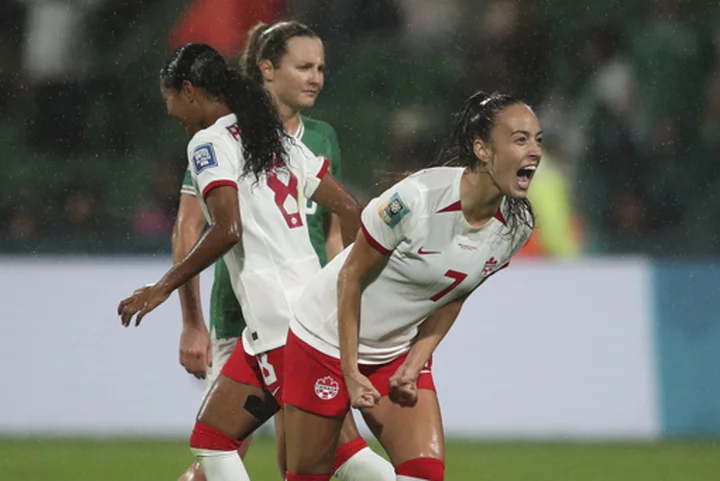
(476, 121)
(261, 130)
(269, 42)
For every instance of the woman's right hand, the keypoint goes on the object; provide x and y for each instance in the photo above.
(141, 302)
(195, 350)
(403, 386)
(362, 393)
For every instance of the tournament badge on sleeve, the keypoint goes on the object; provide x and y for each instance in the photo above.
(393, 211)
(203, 157)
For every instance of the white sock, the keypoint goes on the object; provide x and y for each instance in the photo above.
(366, 465)
(221, 465)
(401, 477)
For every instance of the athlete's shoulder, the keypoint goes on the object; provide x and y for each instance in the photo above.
(439, 186)
(224, 128)
(209, 135)
(319, 127)
(518, 222)
(527, 220)
(407, 196)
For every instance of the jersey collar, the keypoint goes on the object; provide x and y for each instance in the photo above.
(300, 131)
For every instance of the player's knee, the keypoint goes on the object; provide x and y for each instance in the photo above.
(364, 464)
(206, 437)
(347, 450)
(426, 469)
(193, 473)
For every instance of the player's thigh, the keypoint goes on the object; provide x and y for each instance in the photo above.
(316, 403)
(231, 407)
(311, 441)
(280, 450)
(237, 402)
(408, 433)
(349, 429)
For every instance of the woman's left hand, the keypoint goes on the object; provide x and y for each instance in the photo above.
(141, 302)
(403, 387)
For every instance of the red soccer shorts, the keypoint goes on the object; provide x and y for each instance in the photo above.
(314, 381)
(265, 370)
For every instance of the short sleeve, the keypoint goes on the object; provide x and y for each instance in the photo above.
(187, 186)
(212, 163)
(388, 219)
(334, 154)
(314, 168)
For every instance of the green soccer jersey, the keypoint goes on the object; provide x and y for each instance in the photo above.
(320, 138)
(226, 317)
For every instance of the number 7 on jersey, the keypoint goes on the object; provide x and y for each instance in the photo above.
(457, 278)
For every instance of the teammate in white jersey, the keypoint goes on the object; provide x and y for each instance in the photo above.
(253, 180)
(288, 58)
(368, 323)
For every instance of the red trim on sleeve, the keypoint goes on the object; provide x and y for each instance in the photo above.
(378, 247)
(217, 183)
(451, 208)
(324, 168)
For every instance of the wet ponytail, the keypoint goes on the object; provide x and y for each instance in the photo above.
(261, 130)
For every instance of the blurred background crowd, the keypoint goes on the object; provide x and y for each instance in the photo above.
(628, 92)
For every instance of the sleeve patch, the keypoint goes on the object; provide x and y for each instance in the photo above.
(203, 157)
(393, 211)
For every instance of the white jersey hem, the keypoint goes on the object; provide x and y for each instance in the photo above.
(258, 348)
(328, 349)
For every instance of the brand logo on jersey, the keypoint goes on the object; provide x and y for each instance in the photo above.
(490, 266)
(203, 157)
(393, 212)
(326, 388)
(423, 252)
(466, 247)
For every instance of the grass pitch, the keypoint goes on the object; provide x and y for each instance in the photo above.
(58, 459)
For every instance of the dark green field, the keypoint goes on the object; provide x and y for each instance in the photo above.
(151, 460)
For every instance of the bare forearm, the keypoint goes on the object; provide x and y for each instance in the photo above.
(432, 331)
(334, 243)
(349, 293)
(333, 196)
(349, 224)
(183, 239)
(190, 304)
(216, 241)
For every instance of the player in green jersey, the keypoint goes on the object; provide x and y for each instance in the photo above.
(288, 58)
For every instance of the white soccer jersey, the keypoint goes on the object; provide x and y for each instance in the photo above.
(275, 259)
(435, 256)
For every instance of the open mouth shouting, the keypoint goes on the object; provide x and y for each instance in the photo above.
(525, 175)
